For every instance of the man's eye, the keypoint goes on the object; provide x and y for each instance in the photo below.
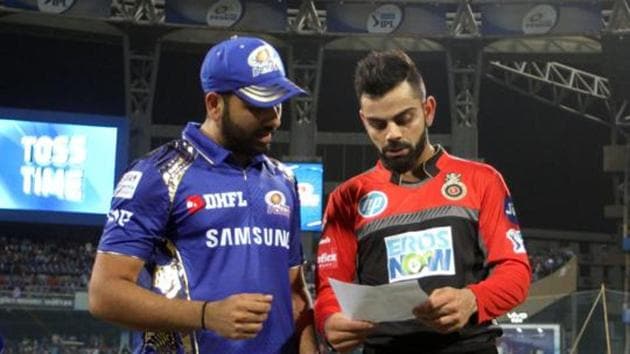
(404, 119)
(377, 124)
(255, 109)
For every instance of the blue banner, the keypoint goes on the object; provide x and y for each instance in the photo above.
(90, 8)
(310, 178)
(57, 167)
(426, 19)
(540, 18)
(263, 15)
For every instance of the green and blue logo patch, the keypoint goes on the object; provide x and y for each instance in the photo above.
(419, 254)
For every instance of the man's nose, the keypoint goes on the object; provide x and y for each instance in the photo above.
(272, 117)
(393, 132)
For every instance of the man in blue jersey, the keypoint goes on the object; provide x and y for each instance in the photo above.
(201, 250)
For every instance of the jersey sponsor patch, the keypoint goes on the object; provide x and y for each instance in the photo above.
(327, 253)
(453, 188)
(233, 199)
(127, 185)
(515, 236)
(372, 204)
(510, 211)
(194, 203)
(245, 236)
(420, 254)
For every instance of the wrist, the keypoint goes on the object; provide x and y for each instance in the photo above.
(203, 315)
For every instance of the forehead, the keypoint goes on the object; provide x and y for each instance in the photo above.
(396, 100)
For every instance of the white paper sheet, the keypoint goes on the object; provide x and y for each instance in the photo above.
(382, 303)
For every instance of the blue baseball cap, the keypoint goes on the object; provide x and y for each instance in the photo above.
(251, 69)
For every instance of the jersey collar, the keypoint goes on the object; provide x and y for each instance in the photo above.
(424, 171)
(211, 151)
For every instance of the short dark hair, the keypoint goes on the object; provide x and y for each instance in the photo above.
(381, 71)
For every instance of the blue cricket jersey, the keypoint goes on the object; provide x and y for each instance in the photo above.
(208, 228)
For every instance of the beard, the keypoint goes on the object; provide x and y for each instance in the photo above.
(239, 140)
(402, 164)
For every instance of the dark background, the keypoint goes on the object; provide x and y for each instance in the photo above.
(551, 160)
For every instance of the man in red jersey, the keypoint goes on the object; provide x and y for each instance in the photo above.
(419, 215)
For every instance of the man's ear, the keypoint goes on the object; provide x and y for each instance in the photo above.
(430, 105)
(214, 105)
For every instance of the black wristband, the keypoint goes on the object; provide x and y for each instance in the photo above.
(203, 315)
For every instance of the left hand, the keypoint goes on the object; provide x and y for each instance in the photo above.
(447, 309)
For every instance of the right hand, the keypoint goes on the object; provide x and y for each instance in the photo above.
(239, 316)
(345, 334)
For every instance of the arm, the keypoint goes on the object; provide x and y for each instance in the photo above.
(448, 309)
(302, 311)
(139, 213)
(336, 257)
(510, 273)
(115, 297)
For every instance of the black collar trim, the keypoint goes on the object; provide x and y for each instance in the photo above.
(423, 171)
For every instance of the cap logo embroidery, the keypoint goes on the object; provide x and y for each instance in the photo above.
(264, 60)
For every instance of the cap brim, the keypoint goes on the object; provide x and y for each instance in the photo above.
(269, 93)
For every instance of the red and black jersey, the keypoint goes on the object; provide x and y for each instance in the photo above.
(456, 227)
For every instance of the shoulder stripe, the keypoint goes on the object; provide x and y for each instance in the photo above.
(418, 217)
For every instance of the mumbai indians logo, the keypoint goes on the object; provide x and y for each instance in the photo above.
(277, 203)
(453, 188)
(264, 60)
(372, 204)
(419, 254)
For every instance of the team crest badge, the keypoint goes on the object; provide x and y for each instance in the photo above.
(453, 188)
(264, 60)
(277, 203)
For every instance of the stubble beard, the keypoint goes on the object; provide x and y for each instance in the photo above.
(407, 162)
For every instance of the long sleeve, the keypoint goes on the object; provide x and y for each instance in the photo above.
(510, 276)
(336, 256)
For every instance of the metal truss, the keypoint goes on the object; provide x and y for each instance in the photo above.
(617, 20)
(151, 11)
(307, 18)
(141, 67)
(565, 87)
(465, 23)
(464, 77)
(305, 68)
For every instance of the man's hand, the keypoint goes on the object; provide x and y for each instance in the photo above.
(447, 309)
(239, 316)
(345, 334)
